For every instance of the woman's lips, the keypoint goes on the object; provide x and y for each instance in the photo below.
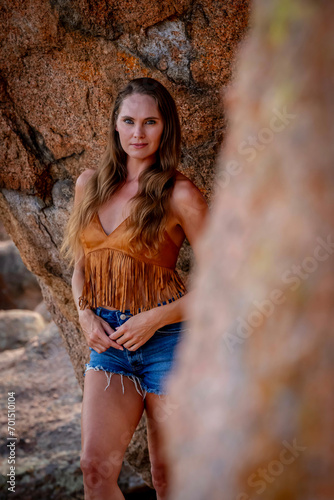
(138, 146)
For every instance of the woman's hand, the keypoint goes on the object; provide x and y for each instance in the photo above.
(137, 330)
(97, 331)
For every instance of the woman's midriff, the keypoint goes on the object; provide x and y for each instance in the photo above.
(110, 308)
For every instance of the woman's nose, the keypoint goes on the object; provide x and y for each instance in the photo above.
(139, 131)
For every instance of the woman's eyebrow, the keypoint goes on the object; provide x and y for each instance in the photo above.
(148, 118)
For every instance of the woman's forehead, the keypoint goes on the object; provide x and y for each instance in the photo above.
(140, 105)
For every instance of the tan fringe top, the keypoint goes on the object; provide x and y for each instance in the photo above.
(114, 274)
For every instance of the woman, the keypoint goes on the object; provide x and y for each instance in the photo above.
(130, 218)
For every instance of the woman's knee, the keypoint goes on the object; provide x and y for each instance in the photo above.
(159, 479)
(99, 469)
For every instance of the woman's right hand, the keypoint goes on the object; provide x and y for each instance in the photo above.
(97, 331)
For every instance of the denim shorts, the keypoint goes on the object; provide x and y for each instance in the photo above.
(148, 366)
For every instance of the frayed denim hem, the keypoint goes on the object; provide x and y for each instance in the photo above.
(144, 390)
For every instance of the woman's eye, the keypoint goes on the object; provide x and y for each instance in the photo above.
(128, 120)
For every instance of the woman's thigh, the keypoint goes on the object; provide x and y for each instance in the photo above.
(108, 421)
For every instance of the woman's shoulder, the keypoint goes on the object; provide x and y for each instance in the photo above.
(84, 177)
(81, 182)
(185, 191)
(188, 204)
(183, 184)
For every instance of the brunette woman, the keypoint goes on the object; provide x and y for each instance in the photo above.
(130, 218)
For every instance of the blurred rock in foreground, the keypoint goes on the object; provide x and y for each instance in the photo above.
(254, 385)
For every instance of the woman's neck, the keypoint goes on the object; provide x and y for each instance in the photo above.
(135, 167)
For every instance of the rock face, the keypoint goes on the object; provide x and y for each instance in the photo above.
(62, 63)
(253, 391)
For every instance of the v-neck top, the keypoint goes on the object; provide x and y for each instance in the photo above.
(115, 275)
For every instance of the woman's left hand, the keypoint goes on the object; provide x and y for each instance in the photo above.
(137, 330)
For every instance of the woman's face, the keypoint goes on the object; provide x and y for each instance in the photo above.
(140, 122)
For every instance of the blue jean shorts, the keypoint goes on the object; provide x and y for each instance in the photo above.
(148, 366)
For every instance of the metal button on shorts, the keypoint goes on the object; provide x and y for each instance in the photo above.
(123, 316)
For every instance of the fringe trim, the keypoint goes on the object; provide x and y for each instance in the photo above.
(112, 276)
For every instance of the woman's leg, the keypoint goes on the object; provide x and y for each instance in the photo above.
(108, 421)
(157, 410)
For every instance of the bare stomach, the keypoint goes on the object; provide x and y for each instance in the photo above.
(110, 308)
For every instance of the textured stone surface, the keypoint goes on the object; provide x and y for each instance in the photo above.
(62, 63)
(254, 393)
(19, 288)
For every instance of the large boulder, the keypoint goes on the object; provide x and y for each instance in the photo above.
(18, 327)
(19, 288)
(62, 63)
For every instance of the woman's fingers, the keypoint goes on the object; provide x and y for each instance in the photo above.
(131, 345)
(100, 336)
(97, 342)
(98, 347)
(120, 337)
(103, 344)
(118, 333)
(107, 328)
(98, 339)
(114, 344)
(107, 342)
(107, 332)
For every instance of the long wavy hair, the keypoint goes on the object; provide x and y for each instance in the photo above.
(144, 228)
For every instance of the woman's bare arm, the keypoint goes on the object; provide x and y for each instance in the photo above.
(192, 211)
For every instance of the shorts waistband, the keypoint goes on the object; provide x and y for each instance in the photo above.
(99, 309)
(113, 314)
